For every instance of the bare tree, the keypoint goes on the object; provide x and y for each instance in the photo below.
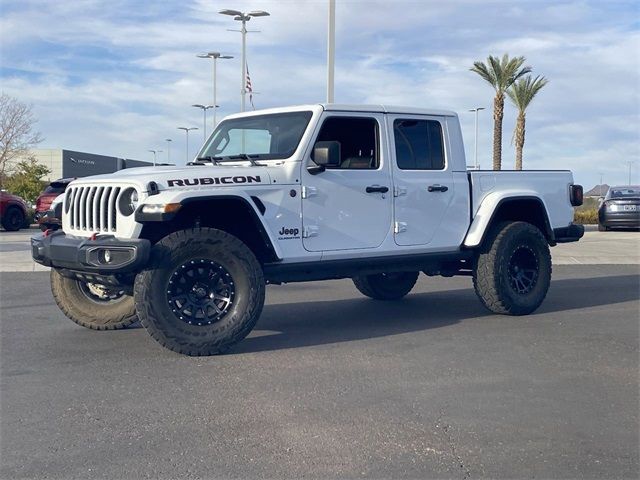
(17, 133)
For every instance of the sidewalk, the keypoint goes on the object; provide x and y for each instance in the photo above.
(595, 248)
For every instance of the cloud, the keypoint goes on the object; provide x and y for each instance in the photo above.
(114, 78)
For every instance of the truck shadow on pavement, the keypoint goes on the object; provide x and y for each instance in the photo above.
(330, 321)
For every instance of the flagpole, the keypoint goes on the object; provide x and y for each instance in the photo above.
(243, 91)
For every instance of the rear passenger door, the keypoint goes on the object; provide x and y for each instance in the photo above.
(423, 180)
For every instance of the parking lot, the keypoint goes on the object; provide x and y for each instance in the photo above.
(333, 385)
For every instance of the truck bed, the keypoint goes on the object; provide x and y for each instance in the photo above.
(552, 186)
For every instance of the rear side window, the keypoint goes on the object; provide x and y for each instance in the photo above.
(419, 144)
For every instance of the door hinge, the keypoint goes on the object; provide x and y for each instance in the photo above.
(400, 227)
(310, 231)
(309, 192)
(397, 191)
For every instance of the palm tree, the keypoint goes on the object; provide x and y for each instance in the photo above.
(521, 93)
(500, 74)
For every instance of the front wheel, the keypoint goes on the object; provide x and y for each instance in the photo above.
(386, 286)
(512, 271)
(202, 292)
(13, 220)
(91, 305)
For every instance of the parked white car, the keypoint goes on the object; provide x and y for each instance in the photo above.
(313, 192)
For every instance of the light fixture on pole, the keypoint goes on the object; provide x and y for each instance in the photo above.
(476, 110)
(244, 18)
(600, 186)
(331, 50)
(168, 140)
(154, 155)
(215, 56)
(630, 163)
(187, 130)
(204, 109)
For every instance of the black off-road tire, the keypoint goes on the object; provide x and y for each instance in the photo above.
(168, 322)
(386, 286)
(504, 265)
(76, 303)
(13, 219)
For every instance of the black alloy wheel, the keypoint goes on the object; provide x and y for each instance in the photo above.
(512, 269)
(523, 270)
(200, 292)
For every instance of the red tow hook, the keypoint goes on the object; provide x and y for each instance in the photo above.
(47, 232)
(93, 236)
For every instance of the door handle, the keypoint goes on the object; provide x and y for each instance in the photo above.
(376, 189)
(437, 188)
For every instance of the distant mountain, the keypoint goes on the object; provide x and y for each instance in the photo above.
(597, 191)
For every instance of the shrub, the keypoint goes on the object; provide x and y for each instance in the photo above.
(586, 217)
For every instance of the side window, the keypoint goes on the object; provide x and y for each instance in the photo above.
(358, 139)
(419, 144)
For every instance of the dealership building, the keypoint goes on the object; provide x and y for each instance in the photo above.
(72, 164)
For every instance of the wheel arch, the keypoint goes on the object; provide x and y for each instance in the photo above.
(234, 214)
(526, 208)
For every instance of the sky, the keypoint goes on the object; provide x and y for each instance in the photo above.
(118, 77)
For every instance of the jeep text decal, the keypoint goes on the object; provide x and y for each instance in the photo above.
(288, 233)
(189, 182)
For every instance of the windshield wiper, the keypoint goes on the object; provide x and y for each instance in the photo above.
(244, 156)
(205, 160)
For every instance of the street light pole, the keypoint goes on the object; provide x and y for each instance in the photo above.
(331, 50)
(168, 140)
(244, 18)
(154, 155)
(215, 56)
(187, 130)
(476, 110)
(204, 111)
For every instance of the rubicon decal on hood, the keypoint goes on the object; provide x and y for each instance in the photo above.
(189, 182)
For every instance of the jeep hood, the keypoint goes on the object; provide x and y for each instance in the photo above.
(196, 176)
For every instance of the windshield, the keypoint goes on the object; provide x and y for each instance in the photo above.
(622, 192)
(264, 136)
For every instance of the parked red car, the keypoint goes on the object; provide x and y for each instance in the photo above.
(43, 202)
(13, 212)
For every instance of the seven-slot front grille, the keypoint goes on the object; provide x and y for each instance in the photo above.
(92, 208)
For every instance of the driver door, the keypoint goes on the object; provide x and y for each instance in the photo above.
(348, 206)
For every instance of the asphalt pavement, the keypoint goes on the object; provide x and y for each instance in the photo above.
(333, 385)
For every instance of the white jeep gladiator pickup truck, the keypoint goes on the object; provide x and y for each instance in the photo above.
(373, 193)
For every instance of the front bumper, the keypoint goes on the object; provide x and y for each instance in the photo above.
(104, 255)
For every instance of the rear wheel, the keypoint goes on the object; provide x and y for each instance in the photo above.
(386, 286)
(13, 219)
(91, 305)
(202, 292)
(512, 271)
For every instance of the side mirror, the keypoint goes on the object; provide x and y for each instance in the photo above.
(325, 154)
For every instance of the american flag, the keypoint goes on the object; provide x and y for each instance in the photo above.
(249, 89)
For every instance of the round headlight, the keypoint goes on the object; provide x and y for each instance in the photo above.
(133, 200)
(128, 201)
